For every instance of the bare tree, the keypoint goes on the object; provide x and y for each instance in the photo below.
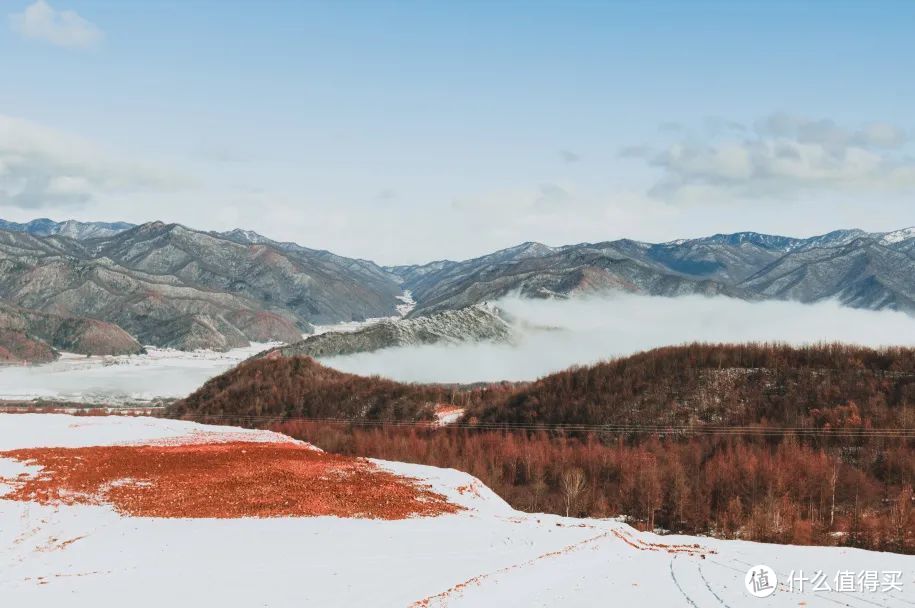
(538, 487)
(901, 515)
(572, 483)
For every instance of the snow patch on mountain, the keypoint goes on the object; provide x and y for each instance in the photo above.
(898, 236)
(479, 323)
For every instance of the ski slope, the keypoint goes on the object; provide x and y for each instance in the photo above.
(486, 555)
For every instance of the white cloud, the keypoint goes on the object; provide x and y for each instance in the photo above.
(64, 28)
(43, 167)
(829, 134)
(430, 217)
(597, 328)
(781, 156)
(569, 156)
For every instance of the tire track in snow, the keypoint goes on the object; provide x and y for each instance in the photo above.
(441, 598)
(677, 583)
(709, 586)
(628, 539)
(693, 550)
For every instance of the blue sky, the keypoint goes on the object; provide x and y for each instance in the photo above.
(409, 131)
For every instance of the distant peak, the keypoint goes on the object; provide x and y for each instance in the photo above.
(246, 236)
(529, 247)
(767, 241)
(897, 236)
(71, 228)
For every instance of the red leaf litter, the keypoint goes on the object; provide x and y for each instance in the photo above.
(222, 480)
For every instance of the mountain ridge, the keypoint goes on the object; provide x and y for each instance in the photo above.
(472, 324)
(719, 264)
(170, 285)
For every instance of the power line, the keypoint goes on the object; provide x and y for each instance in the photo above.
(611, 428)
(905, 432)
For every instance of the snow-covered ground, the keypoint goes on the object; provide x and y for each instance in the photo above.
(488, 555)
(120, 380)
(407, 303)
(162, 373)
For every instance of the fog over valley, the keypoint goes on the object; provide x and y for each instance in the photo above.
(120, 380)
(548, 335)
(556, 334)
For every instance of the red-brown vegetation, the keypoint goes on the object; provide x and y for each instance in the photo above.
(765, 442)
(716, 384)
(756, 488)
(222, 480)
(299, 386)
(17, 347)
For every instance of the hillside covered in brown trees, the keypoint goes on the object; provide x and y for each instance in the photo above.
(762, 442)
(297, 387)
(828, 386)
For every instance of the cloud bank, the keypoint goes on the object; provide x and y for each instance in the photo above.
(44, 167)
(593, 329)
(780, 155)
(63, 28)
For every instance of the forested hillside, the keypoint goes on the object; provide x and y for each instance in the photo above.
(269, 390)
(764, 442)
(684, 388)
(830, 386)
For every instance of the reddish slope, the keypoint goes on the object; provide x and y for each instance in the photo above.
(222, 480)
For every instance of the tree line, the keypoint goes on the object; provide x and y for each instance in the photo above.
(815, 461)
(781, 489)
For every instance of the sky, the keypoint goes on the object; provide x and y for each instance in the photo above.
(404, 132)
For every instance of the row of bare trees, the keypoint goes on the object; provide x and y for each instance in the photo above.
(780, 489)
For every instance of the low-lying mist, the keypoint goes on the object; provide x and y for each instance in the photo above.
(120, 380)
(591, 329)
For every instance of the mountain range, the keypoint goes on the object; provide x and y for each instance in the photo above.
(863, 270)
(70, 228)
(171, 286)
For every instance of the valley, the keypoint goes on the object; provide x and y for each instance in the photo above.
(453, 304)
(170, 286)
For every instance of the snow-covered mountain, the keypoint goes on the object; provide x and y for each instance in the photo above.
(475, 323)
(860, 269)
(69, 228)
(169, 285)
